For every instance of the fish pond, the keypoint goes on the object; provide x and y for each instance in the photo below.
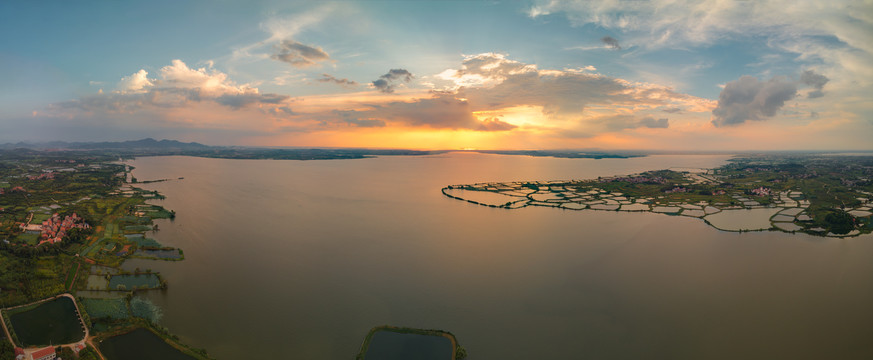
(52, 322)
(140, 344)
(388, 343)
(736, 220)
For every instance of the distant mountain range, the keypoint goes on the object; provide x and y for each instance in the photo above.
(152, 147)
(144, 144)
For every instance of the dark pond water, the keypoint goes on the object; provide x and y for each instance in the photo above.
(139, 344)
(51, 323)
(313, 254)
(390, 345)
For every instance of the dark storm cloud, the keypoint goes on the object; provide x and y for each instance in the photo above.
(817, 81)
(748, 99)
(387, 82)
(298, 54)
(611, 42)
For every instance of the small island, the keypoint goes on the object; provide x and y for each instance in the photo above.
(825, 195)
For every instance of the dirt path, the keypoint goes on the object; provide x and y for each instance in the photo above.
(5, 330)
(76, 276)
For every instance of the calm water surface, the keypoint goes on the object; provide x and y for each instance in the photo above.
(300, 259)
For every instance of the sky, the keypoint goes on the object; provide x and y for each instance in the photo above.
(622, 75)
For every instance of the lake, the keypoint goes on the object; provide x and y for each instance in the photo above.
(300, 259)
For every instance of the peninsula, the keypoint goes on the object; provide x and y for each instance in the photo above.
(826, 195)
(68, 220)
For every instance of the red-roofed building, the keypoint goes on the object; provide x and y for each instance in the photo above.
(44, 354)
(19, 353)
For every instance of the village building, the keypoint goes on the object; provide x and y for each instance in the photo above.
(44, 354)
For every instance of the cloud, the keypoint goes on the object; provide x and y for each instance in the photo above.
(386, 83)
(443, 111)
(298, 54)
(495, 124)
(491, 93)
(491, 81)
(353, 118)
(833, 36)
(178, 86)
(680, 23)
(611, 42)
(136, 82)
(440, 111)
(206, 81)
(621, 122)
(748, 99)
(652, 123)
(331, 79)
(817, 81)
(241, 100)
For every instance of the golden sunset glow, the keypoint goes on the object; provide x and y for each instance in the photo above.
(564, 74)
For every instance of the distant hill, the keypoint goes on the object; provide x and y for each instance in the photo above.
(152, 147)
(144, 144)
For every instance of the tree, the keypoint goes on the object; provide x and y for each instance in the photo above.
(65, 353)
(840, 222)
(460, 353)
(88, 353)
(7, 351)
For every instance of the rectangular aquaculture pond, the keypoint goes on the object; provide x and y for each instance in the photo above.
(394, 343)
(53, 322)
(140, 344)
(134, 281)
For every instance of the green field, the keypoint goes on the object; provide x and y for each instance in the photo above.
(71, 275)
(111, 230)
(39, 217)
(133, 229)
(144, 241)
(97, 282)
(30, 239)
